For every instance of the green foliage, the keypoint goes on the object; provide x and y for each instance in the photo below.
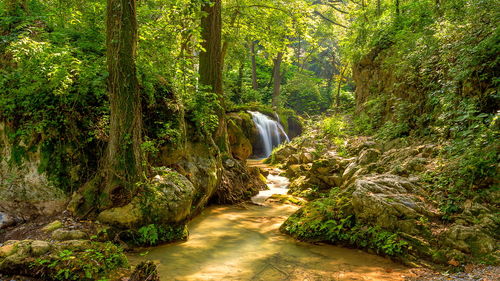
(154, 234)
(53, 95)
(334, 126)
(91, 264)
(203, 109)
(302, 94)
(440, 57)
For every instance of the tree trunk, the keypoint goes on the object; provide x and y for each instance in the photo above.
(341, 76)
(397, 7)
(239, 82)
(277, 79)
(211, 64)
(329, 87)
(225, 45)
(124, 155)
(379, 11)
(255, 85)
(211, 59)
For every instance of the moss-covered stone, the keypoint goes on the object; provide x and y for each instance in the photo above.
(69, 260)
(287, 199)
(65, 234)
(166, 199)
(52, 226)
(241, 146)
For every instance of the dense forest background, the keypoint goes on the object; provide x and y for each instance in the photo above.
(427, 68)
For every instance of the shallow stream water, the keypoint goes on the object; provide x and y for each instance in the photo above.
(243, 242)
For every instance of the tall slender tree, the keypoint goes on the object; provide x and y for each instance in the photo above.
(277, 79)
(124, 155)
(255, 85)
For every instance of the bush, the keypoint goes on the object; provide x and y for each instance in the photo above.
(302, 94)
(94, 263)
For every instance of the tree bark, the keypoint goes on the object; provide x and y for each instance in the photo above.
(211, 64)
(329, 87)
(255, 85)
(124, 155)
(211, 58)
(341, 76)
(239, 82)
(277, 79)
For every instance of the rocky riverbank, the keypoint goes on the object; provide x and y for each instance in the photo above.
(377, 196)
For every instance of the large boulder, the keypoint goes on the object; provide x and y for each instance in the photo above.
(6, 220)
(26, 192)
(167, 199)
(391, 202)
(391, 215)
(368, 156)
(241, 146)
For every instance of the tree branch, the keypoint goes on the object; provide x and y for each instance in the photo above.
(328, 20)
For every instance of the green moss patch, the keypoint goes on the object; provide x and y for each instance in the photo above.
(331, 220)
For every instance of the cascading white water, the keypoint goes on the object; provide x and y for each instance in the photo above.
(270, 132)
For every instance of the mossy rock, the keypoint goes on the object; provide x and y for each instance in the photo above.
(241, 147)
(166, 199)
(287, 199)
(70, 260)
(332, 220)
(53, 226)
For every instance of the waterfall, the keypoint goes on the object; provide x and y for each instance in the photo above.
(271, 132)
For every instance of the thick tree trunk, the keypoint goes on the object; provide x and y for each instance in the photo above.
(277, 79)
(124, 155)
(211, 64)
(211, 58)
(255, 85)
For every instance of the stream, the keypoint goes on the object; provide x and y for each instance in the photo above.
(243, 242)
